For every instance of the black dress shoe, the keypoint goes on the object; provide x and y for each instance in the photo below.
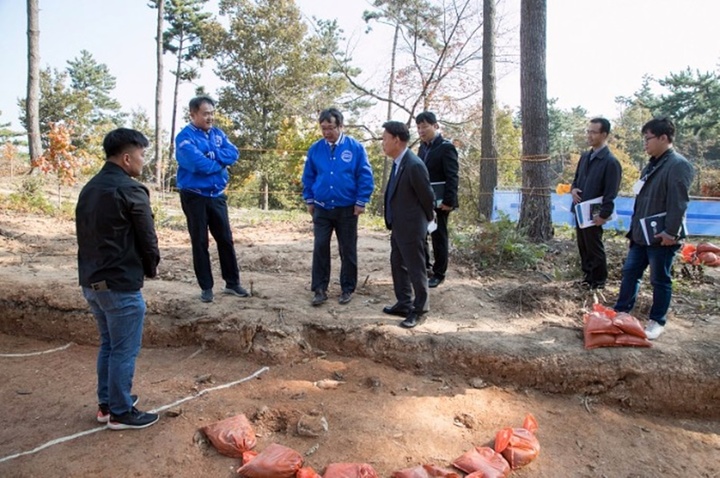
(413, 320)
(320, 297)
(396, 310)
(435, 281)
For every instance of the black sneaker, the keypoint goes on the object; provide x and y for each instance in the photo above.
(237, 291)
(206, 295)
(134, 419)
(103, 413)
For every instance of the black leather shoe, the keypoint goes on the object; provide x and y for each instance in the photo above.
(345, 298)
(413, 320)
(320, 297)
(435, 281)
(396, 310)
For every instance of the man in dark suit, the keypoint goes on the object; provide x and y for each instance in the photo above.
(441, 160)
(408, 211)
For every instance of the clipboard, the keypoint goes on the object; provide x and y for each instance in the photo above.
(439, 191)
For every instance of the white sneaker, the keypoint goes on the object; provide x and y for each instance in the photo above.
(653, 330)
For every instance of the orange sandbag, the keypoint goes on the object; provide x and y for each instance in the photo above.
(707, 247)
(425, 471)
(629, 324)
(231, 436)
(483, 460)
(275, 461)
(599, 323)
(688, 252)
(350, 470)
(307, 472)
(248, 456)
(594, 341)
(518, 446)
(707, 257)
(627, 340)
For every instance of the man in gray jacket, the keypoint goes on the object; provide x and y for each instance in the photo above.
(662, 188)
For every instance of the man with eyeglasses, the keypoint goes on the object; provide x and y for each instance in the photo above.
(598, 174)
(663, 187)
(337, 185)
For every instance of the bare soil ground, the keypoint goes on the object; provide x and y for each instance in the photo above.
(496, 346)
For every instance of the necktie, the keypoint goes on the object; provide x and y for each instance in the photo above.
(332, 151)
(388, 192)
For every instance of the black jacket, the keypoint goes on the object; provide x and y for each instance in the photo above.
(441, 159)
(599, 177)
(115, 231)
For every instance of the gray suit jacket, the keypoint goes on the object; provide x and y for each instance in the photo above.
(409, 199)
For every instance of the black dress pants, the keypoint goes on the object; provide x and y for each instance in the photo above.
(205, 213)
(592, 255)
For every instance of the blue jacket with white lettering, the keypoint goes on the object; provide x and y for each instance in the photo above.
(203, 158)
(339, 179)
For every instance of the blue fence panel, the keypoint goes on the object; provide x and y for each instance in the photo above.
(703, 216)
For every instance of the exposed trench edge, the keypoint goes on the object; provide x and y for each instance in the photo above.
(685, 389)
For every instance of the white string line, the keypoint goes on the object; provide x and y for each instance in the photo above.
(36, 353)
(165, 407)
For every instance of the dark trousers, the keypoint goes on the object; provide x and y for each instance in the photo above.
(440, 245)
(407, 263)
(592, 255)
(344, 222)
(210, 213)
(660, 259)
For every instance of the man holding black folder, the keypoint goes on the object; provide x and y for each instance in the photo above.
(441, 159)
(598, 175)
(662, 188)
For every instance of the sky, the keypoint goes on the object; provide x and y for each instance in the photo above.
(596, 50)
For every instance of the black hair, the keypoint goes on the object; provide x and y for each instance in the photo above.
(197, 102)
(604, 124)
(397, 129)
(120, 140)
(329, 114)
(426, 117)
(660, 126)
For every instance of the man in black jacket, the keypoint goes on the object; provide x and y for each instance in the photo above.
(441, 159)
(117, 248)
(598, 174)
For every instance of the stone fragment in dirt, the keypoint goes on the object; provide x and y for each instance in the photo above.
(327, 384)
(174, 413)
(338, 376)
(206, 378)
(312, 449)
(478, 383)
(373, 383)
(464, 420)
(312, 426)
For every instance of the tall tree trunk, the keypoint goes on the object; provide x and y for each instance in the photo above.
(488, 142)
(32, 102)
(535, 205)
(159, 162)
(171, 148)
(391, 88)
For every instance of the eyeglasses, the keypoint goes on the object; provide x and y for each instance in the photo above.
(648, 138)
(328, 129)
(589, 131)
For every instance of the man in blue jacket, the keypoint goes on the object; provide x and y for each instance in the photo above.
(662, 188)
(203, 155)
(337, 184)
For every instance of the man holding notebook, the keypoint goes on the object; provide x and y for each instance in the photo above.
(597, 178)
(661, 191)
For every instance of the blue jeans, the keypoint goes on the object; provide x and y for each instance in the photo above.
(660, 259)
(119, 316)
(344, 222)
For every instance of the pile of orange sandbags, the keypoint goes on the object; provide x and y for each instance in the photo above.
(705, 253)
(606, 328)
(514, 448)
